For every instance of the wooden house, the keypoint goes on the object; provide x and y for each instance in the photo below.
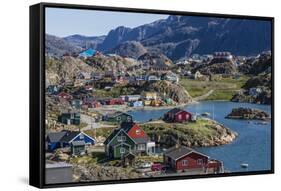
(52, 89)
(69, 118)
(118, 117)
(128, 138)
(177, 115)
(66, 138)
(65, 96)
(114, 101)
(181, 158)
(136, 104)
(76, 103)
(129, 98)
(78, 148)
(149, 95)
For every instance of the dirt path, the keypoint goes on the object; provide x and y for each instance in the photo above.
(204, 96)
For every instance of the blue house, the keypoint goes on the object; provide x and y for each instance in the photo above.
(88, 53)
(52, 89)
(136, 104)
(66, 138)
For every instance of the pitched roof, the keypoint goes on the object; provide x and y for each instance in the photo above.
(175, 110)
(177, 152)
(55, 136)
(126, 126)
(139, 140)
(69, 136)
(115, 131)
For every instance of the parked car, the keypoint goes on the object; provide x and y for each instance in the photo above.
(158, 167)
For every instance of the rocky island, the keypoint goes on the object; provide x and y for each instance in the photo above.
(203, 133)
(248, 113)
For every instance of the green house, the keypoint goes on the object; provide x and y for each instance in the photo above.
(69, 118)
(128, 138)
(118, 117)
(118, 144)
(78, 148)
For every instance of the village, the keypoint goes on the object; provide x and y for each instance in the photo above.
(88, 120)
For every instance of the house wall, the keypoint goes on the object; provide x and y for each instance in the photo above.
(182, 116)
(120, 118)
(115, 141)
(117, 153)
(192, 161)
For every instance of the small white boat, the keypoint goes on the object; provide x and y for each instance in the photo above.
(205, 114)
(244, 165)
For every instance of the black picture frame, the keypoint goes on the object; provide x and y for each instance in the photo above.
(37, 93)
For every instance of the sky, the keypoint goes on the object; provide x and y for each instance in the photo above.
(63, 22)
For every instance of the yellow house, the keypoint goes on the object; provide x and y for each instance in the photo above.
(147, 102)
(149, 95)
(155, 103)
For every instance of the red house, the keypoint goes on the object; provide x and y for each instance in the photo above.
(177, 115)
(114, 101)
(181, 158)
(65, 95)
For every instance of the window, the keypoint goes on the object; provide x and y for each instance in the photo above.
(138, 131)
(119, 138)
(81, 136)
(199, 162)
(184, 162)
(179, 116)
(141, 147)
(129, 118)
(122, 150)
(119, 118)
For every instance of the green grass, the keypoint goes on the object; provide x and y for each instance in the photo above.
(201, 129)
(103, 132)
(224, 89)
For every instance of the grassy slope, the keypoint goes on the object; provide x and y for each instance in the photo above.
(200, 129)
(223, 89)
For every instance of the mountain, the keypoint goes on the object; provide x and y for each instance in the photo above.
(131, 49)
(181, 36)
(56, 46)
(85, 41)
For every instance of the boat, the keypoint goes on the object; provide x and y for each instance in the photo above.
(244, 165)
(205, 114)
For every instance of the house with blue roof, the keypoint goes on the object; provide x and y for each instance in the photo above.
(66, 138)
(87, 53)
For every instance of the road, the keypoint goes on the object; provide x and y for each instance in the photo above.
(91, 124)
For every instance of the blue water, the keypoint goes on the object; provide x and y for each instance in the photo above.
(252, 146)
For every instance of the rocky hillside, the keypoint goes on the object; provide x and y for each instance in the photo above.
(258, 65)
(66, 68)
(179, 36)
(132, 49)
(56, 46)
(85, 41)
(168, 89)
(202, 133)
(248, 113)
(262, 95)
(217, 66)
